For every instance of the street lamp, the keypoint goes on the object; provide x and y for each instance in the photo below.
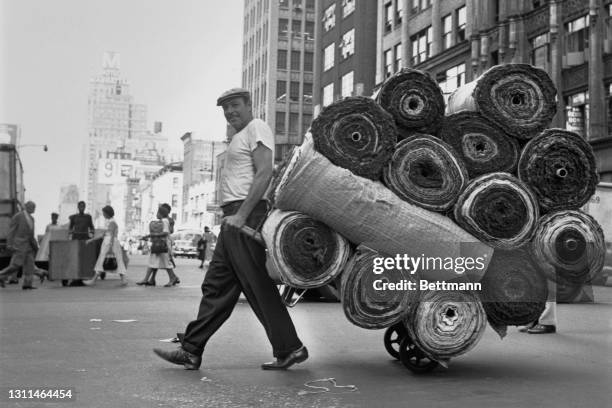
(44, 146)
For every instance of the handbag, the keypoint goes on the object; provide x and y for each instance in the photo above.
(110, 262)
(159, 245)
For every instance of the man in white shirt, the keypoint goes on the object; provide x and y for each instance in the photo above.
(238, 263)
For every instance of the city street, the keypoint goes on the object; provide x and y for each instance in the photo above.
(49, 340)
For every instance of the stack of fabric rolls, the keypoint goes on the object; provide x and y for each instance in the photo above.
(483, 180)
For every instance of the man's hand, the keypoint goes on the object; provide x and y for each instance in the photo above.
(236, 221)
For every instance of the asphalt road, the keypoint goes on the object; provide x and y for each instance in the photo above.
(48, 339)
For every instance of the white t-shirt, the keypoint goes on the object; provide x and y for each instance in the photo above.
(239, 170)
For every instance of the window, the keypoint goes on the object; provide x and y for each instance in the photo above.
(328, 94)
(398, 11)
(388, 17)
(174, 200)
(461, 23)
(421, 45)
(282, 59)
(539, 51)
(283, 27)
(283, 3)
(295, 60)
(447, 31)
(347, 84)
(328, 57)
(329, 17)
(310, 4)
(280, 122)
(347, 46)
(296, 28)
(388, 63)
(576, 39)
(309, 31)
(308, 61)
(420, 5)
(307, 95)
(294, 91)
(293, 122)
(398, 58)
(577, 113)
(348, 6)
(281, 91)
(452, 78)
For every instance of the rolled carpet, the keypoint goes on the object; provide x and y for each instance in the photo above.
(357, 134)
(498, 209)
(513, 291)
(414, 99)
(425, 171)
(518, 97)
(366, 306)
(365, 211)
(560, 168)
(446, 324)
(302, 252)
(483, 146)
(569, 245)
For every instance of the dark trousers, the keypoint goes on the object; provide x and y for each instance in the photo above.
(238, 265)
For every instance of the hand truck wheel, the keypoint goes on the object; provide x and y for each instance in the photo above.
(393, 338)
(413, 357)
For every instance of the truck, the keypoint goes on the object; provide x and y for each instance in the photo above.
(12, 194)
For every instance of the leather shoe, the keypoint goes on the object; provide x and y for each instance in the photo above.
(295, 357)
(180, 357)
(542, 329)
(28, 287)
(529, 326)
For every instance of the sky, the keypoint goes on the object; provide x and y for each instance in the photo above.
(178, 56)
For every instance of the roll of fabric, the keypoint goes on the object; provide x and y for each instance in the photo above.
(446, 324)
(366, 306)
(498, 209)
(414, 99)
(357, 134)
(569, 245)
(518, 97)
(425, 171)
(483, 146)
(513, 291)
(304, 253)
(364, 211)
(560, 168)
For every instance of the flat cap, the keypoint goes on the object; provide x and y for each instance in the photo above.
(232, 93)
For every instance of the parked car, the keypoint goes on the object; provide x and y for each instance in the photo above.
(185, 243)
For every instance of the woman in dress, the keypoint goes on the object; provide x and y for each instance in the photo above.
(110, 244)
(159, 232)
(201, 251)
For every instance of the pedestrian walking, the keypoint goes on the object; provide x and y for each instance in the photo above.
(110, 248)
(170, 248)
(210, 239)
(42, 256)
(81, 228)
(201, 247)
(238, 263)
(159, 258)
(23, 245)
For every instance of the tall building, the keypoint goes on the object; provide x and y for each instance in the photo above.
(199, 160)
(457, 40)
(345, 57)
(119, 146)
(277, 66)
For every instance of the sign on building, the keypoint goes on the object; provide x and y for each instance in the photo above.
(112, 171)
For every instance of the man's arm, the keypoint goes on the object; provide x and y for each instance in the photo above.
(91, 228)
(262, 160)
